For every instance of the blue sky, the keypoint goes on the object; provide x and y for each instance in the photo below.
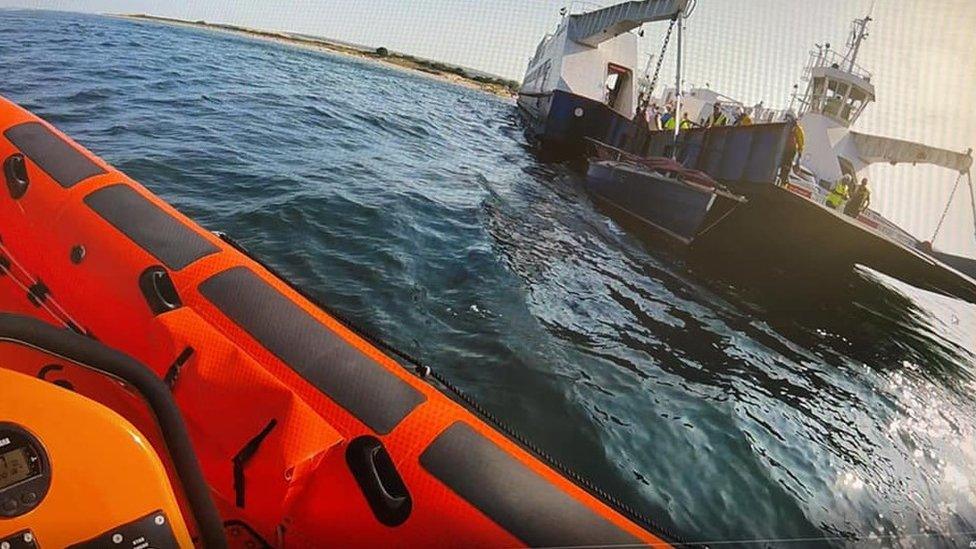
(921, 52)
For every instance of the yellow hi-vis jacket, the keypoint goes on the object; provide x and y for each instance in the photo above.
(837, 195)
(799, 137)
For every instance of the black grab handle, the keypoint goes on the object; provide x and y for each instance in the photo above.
(158, 290)
(377, 476)
(90, 354)
(15, 173)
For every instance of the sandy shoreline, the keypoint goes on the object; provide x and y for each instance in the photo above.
(440, 71)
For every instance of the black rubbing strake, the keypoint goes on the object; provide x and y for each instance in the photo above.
(152, 229)
(365, 388)
(38, 293)
(63, 162)
(514, 496)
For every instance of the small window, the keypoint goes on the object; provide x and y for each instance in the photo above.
(834, 102)
(855, 103)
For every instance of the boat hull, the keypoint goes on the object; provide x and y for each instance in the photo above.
(784, 234)
(656, 203)
(559, 122)
(965, 265)
(787, 236)
(296, 418)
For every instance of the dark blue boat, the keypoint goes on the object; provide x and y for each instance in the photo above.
(559, 123)
(664, 197)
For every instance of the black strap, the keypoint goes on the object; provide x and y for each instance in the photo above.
(245, 455)
(38, 292)
(173, 372)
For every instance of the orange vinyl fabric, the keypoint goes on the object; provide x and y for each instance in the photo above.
(274, 390)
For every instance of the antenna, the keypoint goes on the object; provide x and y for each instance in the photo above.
(859, 31)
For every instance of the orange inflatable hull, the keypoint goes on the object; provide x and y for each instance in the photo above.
(308, 435)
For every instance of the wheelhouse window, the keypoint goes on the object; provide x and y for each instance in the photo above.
(835, 98)
(854, 104)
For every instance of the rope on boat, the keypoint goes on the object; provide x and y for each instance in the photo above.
(36, 291)
(473, 405)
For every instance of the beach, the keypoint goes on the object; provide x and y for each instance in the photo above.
(453, 74)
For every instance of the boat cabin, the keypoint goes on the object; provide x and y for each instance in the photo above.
(837, 88)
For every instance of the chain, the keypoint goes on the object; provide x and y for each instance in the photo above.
(657, 69)
(946, 211)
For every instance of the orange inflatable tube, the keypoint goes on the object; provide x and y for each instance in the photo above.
(307, 434)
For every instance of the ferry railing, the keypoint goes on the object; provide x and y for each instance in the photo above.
(831, 58)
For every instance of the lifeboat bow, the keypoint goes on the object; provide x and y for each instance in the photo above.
(306, 433)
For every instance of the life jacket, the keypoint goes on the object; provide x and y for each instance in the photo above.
(799, 138)
(837, 195)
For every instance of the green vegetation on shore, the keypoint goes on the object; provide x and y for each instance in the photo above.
(453, 73)
(437, 67)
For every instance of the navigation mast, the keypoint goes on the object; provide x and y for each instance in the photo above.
(859, 31)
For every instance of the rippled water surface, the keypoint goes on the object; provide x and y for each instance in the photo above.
(417, 209)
